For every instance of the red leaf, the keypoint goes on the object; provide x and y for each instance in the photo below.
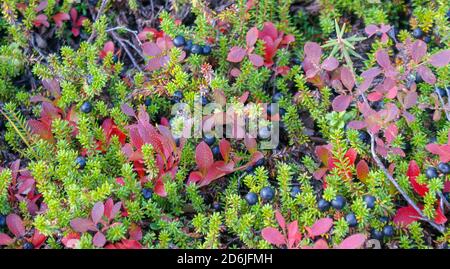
(383, 59)
(354, 241)
(330, 64)
(294, 236)
(351, 155)
(426, 74)
(273, 236)
(5, 239)
(321, 244)
(347, 78)
(313, 51)
(440, 217)
(204, 156)
(151, 49)
(405, 216)
(236, 54)
(357, 125)
(225, 149)
(341, 102)
(251, 37)
(60, 17)
(159, 188)
(440, 59)
(321, 227)
(374, 96)
(410, 99)
(362, 170)
(256, 60)
(371, 29)
(442, 150)
(280, 220)
(82, 225)
(418, 50)
(97, 212)
(99, 239)
(15, 225)
(269, 30)
(391, 133)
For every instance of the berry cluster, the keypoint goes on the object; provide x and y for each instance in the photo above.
(190, 47)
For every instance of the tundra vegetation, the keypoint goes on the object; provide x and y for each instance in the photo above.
(96, 97)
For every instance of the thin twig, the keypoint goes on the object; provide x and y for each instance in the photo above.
(100, 13)
(135, 33)
(118, 39)
(447, 113)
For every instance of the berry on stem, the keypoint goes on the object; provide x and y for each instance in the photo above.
(431, 172)
(179, 41)
(147, 193)
(251, 198)
(81, 162)
(323, 205)
(295, 191)
(86, 107)
(338, 203)
(267, 193)
(370, 201)
(350, 218)
(388, 231)
(444, 168)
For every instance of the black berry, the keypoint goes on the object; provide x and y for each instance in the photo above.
(350, 218)
(216, 205)
(388, 231)
(370, 201)
(86, 107)
(323, 205)
(295, 191)
(81, 161)
(179, 41)
(251, 198)
(375, 234)
(282, 112)
(431, 172)
(204, 100)
(209, 139)
(267, 193)
(364, 137)
(206, 50)
(444, 168)
(338, 203)
(216, 152)
(148, 102)
(417, 33)
(2, 221)
(28, 245)
(277, 97)
(196, 49)
(147, 193)
(188, 46)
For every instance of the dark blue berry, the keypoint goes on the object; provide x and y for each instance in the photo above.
(277, 97)
(209, 139)
(418, 78)
(249, 169)
(28, 245)
(384, 219)
(115, 58)
(204, 100)
(323, 205)
(2, 221)
(364, 137)
(444, 168)
(251, 198)
(295, 191)
(427, 39)
(417, 33)
(370, 201)
(177, 142)
(282, 112)
(86, 107)
(177, 97)
(388, 231)
(216, 152)
(89, 79)
(392, 33)
(196, 49)
(206, 50)
(338, 203)
(147, 193)
(375, 234)
(431, 172)
(188, 46)
(267, 193)
(81, 162)
(350, 218)
(148, 102)
(269, 109)
(179, 41)
(442, 92)
(296, 61)
(216, 205)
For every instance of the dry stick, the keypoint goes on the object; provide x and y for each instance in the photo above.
(135, 33)
(100, 12)
(380, 164)
(443, 104)
(118, 39)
